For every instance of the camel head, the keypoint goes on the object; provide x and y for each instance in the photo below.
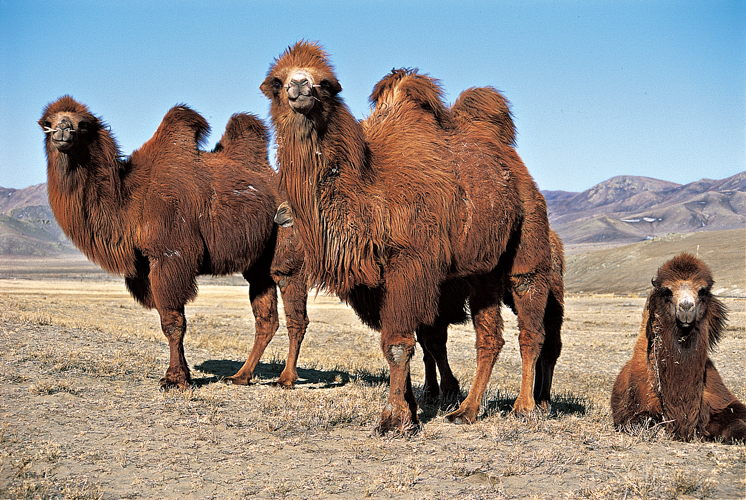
(302, 81)
(66, 123)
(682, 290)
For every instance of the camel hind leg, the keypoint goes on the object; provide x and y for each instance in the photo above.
(433, 340)
(550, 351)
(727, 415)
(488, 324)
(263, 297)
(530, 297)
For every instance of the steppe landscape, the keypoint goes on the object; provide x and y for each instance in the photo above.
(82, 415)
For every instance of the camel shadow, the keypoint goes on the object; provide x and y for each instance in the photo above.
(500, 403)
(267, 373)
(561, 404)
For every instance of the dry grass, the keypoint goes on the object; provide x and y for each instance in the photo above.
(81, 415)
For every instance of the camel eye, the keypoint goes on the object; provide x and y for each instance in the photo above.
(276, 84)
(666, 292)
(46, 124)
(703, 292)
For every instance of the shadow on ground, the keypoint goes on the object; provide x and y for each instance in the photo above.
(266, 373)
(499, 403)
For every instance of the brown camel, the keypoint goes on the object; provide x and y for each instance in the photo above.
(171, 212)
(403, 211)
(433, 340)
(670, 378)
(488, 108)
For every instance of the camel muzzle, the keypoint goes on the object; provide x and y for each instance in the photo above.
(62, 135)
(686, 313)
(300, 95)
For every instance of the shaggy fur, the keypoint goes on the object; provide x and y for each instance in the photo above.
(433, 339)
(670, 377)
(408, 215)
(171, 212)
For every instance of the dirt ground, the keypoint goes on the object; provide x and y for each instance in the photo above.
(82, 416)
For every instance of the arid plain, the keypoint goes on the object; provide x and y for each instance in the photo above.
(82, 416)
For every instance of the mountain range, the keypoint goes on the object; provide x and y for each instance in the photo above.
(621, 210)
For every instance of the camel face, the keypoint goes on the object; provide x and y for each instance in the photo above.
(684, 300)
(63, 128)
(302, 79)
(299, 90)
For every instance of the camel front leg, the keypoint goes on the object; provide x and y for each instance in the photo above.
(294, 298)
(400, 412)
(173, 325)
(488, 325)
(263, 297)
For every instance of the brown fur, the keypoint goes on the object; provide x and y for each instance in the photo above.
(435, 356)
(670, 377)
(171, 212)
(409, 214)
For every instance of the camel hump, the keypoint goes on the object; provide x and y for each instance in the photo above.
(245, 138)
(406, 85)
(184, 122)
(489, 106)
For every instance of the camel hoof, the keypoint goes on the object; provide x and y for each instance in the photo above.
(460, 417)
(167, 383)
(523, 408)
(234, 380)
(404, 425)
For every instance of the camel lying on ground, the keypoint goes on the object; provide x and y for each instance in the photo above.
(171, 212)
(670, 378)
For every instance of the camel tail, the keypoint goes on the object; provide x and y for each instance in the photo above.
(488, 106)
(245, 138)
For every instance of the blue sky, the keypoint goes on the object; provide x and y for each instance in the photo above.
(599, 88)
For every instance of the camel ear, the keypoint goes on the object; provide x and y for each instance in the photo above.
(330, 86)
(271, 87)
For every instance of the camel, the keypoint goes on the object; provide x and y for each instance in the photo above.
(432, 339)
(170, 212)
(406, 210)
(670, 378)
(435, 356)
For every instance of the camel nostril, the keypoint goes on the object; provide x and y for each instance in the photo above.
(686, 306)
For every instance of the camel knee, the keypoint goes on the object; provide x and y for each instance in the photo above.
(398, 352)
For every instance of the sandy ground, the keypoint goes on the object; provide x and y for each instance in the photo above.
(81, 414)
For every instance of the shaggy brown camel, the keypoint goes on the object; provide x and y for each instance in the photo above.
(485, 107)
(171, 212)
(433, 340)
(394, 214)
(670, 378)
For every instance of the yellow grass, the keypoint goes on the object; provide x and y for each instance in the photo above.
(81, 415)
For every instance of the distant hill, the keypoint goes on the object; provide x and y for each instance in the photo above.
(628, 269)
(27, 225)
(621, 210)
(19, 198)
(627, 209)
